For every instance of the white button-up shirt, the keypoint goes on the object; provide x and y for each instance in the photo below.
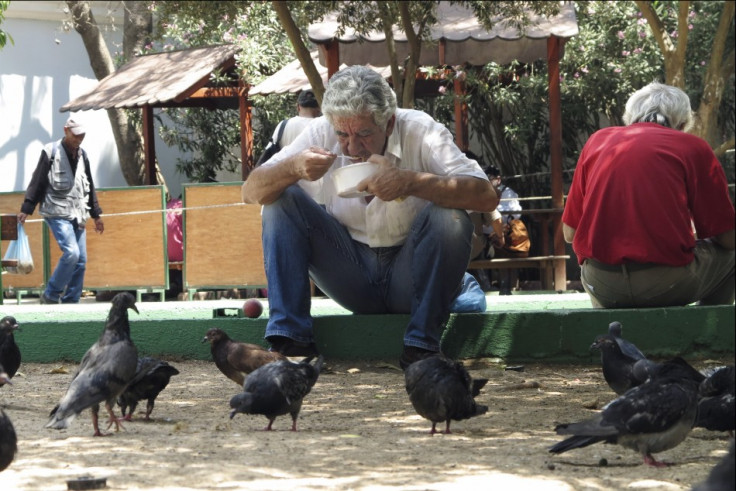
(417, 143)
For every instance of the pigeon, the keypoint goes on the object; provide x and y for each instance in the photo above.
(151, 377)
(8, 441)
(621, 371)
(234, 359)
(650, 418)
(441, 389)
(723, 475)
(277, 388)
(717, 405)
(105, 371)
(628, 348)
(9, 351)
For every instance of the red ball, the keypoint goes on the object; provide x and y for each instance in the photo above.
(252, 308)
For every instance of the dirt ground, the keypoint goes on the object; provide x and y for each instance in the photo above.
(357, 430)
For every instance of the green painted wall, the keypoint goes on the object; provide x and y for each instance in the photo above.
(554, 336)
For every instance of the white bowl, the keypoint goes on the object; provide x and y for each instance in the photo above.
(347, 178)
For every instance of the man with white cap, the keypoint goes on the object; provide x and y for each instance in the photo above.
(67, 197)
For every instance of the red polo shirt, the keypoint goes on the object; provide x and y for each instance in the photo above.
(638, 191)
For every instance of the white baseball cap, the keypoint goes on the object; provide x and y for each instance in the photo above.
(75, 127)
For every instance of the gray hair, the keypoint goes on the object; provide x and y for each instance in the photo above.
(659, 103)
(357, 90)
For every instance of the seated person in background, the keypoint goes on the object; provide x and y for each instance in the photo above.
(488, 233)
(516, 242)
(637, 193)
(402, 249)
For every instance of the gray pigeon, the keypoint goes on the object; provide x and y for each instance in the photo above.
(628, 348)
(723, 475)
(9, 351)
(277, 388)
(104, 372)
(441, 389)
(650, 418)
(8, 441)
(717, 405)
(621, 371)
(151, 377)
(235, 359)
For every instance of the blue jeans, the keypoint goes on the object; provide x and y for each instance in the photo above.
(420, 277)
(68, 278)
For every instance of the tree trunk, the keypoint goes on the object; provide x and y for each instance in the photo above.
(128, 140)
(415, 50)
(388, 31)
(720, 67)
(720, 70)
(300, 49)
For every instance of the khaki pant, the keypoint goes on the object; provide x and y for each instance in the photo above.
(708, 280)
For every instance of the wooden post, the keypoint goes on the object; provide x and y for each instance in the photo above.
(149, 147)
(554, 47)
(461, 114)
(332, 57)
(246, 131)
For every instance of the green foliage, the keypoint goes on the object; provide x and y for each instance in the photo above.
(4, 36)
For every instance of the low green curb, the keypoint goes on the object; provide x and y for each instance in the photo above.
(554, 336)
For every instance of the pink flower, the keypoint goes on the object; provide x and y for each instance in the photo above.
(442, 89)
(576, 75)
(673, 34)
(642, 34)
(637, 51)
(702, 63)
(620, 34)
(616, 70)
(584, 69)
(689, 27)
(625, 53)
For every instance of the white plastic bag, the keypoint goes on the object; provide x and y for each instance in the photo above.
(19, 250)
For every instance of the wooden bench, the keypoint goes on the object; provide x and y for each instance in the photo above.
(545, 264)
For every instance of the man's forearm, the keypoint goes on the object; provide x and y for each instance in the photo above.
(459, 192)
(265, 184)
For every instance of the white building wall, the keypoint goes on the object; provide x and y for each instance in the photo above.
(45, 68)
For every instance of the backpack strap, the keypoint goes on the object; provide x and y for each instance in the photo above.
(281, 127)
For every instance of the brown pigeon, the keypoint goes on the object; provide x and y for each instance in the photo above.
(235, 359)
(106, 369)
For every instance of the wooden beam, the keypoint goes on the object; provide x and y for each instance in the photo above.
(554, 48)
(207, 92)
(149, 147)
(226, 65)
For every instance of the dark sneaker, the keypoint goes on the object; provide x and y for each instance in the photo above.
(412, 354)
(289, 347)
(44, 299)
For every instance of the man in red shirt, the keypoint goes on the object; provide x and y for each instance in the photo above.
(648, 212)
